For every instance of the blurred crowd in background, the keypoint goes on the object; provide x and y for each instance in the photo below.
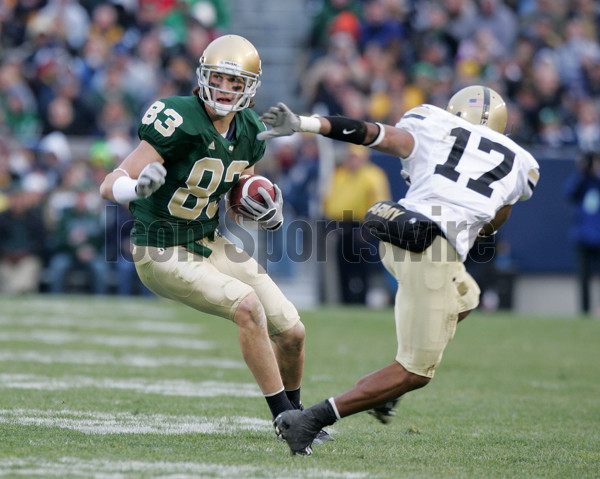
(75, 77)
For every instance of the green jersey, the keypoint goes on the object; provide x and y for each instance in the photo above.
(201, 166)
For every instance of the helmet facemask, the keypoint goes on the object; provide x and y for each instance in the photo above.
(208, 93)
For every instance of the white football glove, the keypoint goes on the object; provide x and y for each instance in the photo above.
(151, 179)
(269, 216)
(283, 120)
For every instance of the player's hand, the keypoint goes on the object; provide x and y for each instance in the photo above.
(405, 176)
(283, 120)
(270, 215)
(151, 179)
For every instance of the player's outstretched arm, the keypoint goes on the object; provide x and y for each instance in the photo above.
(384, 138)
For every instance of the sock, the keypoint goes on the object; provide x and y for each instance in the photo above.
(294, 397)
(278, 403)
(323, 413)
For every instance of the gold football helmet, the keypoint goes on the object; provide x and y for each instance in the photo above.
(229, 55)
(479, 105)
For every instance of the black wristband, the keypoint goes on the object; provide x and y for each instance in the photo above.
(347, 129)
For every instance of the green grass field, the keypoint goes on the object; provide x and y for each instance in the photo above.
(113, 388)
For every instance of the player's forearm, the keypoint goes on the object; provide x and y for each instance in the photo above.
(502, 216)
(106, 188)
(494, 225)
(345, 129)
(119, 187)
(380, 137)
(369, 131)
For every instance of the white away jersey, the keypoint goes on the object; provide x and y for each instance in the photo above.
(461, 174)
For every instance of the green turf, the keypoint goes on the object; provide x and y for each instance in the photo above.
(515, 397)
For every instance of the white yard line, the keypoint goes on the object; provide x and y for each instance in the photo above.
(110, 469)
(127, 423)
(50, 336)
(91, 307)
(56, 320)
(164, 387)
(133, 360)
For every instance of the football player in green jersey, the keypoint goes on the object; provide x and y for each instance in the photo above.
(193, 150)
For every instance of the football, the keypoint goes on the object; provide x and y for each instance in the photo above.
(248, 185)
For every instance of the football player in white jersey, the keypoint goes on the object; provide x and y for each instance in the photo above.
(465, 175)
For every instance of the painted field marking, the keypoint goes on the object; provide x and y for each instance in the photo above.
(49, 336)
(128, 423)
(164, 387)
(132, 360)
(110, 469)
(91, 307)
(55, 320)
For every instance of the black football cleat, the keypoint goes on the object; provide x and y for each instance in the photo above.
(298, 431)
(322, 436)
(385, 412)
